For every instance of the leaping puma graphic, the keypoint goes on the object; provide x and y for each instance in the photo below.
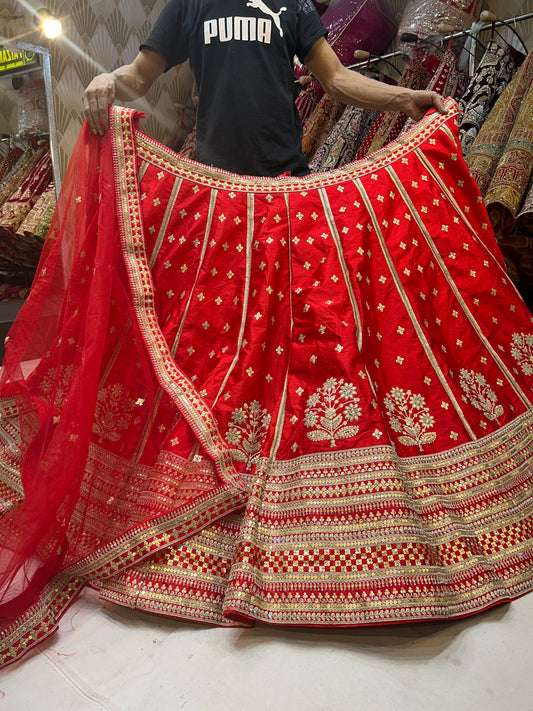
(260, 5)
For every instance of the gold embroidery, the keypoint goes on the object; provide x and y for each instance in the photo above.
(342, 260)
(320, 569)
(404, 555)
(449, 278)
(408, 414)
(55, 384)
(330, 409)
(173, 380)
(246, 432)
(421, 334)
(164, 223)
(112, 413)
(151, 151)
(522, 351)
(212, 204)
(246, 295)
(480, 394)
(11, 490)
(187, 580)
(40, 619)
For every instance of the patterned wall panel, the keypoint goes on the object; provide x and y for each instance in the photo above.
(98, 35)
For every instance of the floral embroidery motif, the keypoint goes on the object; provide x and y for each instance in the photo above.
(480, 394)
(522, 351)
(246, 432)
(112, 413)
(330, 409)
(56, 383)
(409, 414)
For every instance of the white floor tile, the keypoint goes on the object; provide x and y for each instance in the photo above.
(107, 657)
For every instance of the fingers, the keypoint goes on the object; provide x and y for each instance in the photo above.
(423, 101)
(438, 103)
(419, 106)
(96, 100)
(94, 112)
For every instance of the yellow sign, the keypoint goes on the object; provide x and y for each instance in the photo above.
(12, 61)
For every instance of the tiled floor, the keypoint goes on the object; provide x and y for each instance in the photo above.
(106, 657)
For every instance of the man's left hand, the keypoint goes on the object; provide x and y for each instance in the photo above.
(418, 103)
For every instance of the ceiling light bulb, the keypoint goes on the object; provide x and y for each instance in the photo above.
(51, 27)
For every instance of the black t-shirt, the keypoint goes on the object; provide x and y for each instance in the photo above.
(241, 53)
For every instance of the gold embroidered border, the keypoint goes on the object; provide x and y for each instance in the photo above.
(40, 620)
(161, 156)
(415, 603)
(11, 490)
(196, 608)
(321, 597)
(171, 378)
(186, 581)
(323, 559)
(521, 426)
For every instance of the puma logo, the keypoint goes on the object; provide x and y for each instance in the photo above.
(260, 5)
(244, 29)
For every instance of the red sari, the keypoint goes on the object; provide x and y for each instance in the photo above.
(296, 400)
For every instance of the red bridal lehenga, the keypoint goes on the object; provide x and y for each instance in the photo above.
(304, 401)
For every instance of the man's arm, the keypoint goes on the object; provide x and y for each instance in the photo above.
(350, 87)
(125, 84)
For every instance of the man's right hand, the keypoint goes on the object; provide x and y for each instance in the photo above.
(126, 83)
(96, 100)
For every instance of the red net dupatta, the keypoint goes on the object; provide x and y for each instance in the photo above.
(294, 400)
(99, 464)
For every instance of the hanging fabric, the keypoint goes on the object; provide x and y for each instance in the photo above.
(423, 17)
(38, 219)
(351, 25)
(489, 145)
(389, 124)
(23, 247)
(20, 203)
(494, 72)
(524, 219)
(11, 157)
(320, 124)
(510, 181)
(342, 143)
(19, 172)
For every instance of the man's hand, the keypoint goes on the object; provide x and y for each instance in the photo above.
(126, 83)
(417, 103)
(97, 98)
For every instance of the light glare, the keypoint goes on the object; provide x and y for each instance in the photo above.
(51, 27)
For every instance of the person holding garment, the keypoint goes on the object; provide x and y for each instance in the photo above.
(242, 54)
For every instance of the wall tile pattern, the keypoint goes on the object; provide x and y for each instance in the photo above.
(98, 35)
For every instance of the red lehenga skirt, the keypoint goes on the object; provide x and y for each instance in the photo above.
(304, 401)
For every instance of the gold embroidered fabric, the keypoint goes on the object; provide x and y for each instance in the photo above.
(302, 400)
